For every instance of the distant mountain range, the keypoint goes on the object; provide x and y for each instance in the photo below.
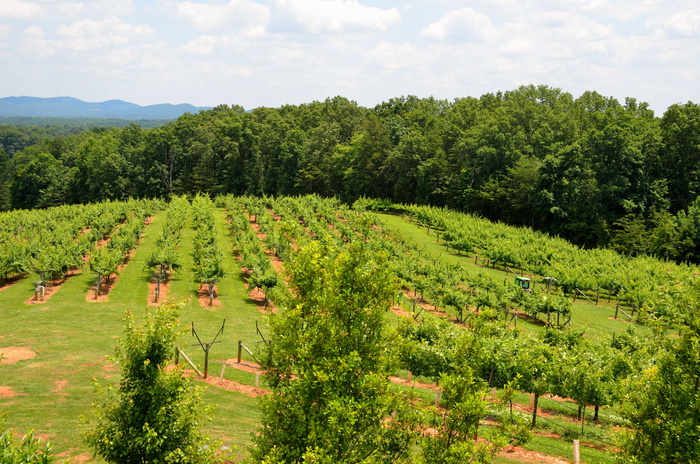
(68, 107)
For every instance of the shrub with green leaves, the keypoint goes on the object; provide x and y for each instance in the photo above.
(155, 413)
(28, 450)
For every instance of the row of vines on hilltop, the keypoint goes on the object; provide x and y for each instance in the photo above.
(254, 261)
(594, 170)
(54, 241)
(644, 282)
(288, 220)
(105, 261)
(206, 253)
(164, 257)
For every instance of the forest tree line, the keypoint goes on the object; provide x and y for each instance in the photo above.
(590, 169)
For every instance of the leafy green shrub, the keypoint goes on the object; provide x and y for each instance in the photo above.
(28, 450)
(154, 414)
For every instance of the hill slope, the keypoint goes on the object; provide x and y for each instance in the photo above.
(68, 107)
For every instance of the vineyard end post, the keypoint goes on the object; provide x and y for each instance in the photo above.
(206, 361)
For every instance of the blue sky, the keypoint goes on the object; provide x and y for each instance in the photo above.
(275, 52)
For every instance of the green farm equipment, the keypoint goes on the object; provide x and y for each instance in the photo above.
(524, 283)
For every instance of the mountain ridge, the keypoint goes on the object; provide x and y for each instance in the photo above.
(70, 107)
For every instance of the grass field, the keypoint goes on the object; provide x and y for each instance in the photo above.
(72, 337)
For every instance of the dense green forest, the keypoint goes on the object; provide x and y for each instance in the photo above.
(20, 132)
(590, 169)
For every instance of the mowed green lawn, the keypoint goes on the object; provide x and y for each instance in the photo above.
(72, 337)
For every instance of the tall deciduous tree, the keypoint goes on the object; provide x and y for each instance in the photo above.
(326, 366)
(680, 130)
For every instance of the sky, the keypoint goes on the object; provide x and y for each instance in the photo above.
(275, 52)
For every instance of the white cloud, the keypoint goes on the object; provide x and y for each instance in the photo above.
(88, 34)
(203, 45)
(18, 9)
(221, 70)
(5, 31)
(215, 16)
(552, 36)
(679, 24)
(117, 8)
(71, 9)
(123, 62)
(235, 44)
(34, 43)
(319, 16)
(395, 57)
(570, 26)
(623, 10)
(516, 46)
(463, 25)
(235, 70)
(92, 8)
(121, 57)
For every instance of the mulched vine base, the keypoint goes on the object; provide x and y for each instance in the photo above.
(399, 311)
(107, 287)
(164, 289)
(520, 454)
(231, 385)
(77, 459)
(8, 392)
(13, 354)
(257, 296)
(53, 286)
(413, 383)
(204, 300)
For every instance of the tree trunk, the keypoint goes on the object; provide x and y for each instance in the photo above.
(97, 287)
(510, 403)
(534, 411)
(157, 288)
